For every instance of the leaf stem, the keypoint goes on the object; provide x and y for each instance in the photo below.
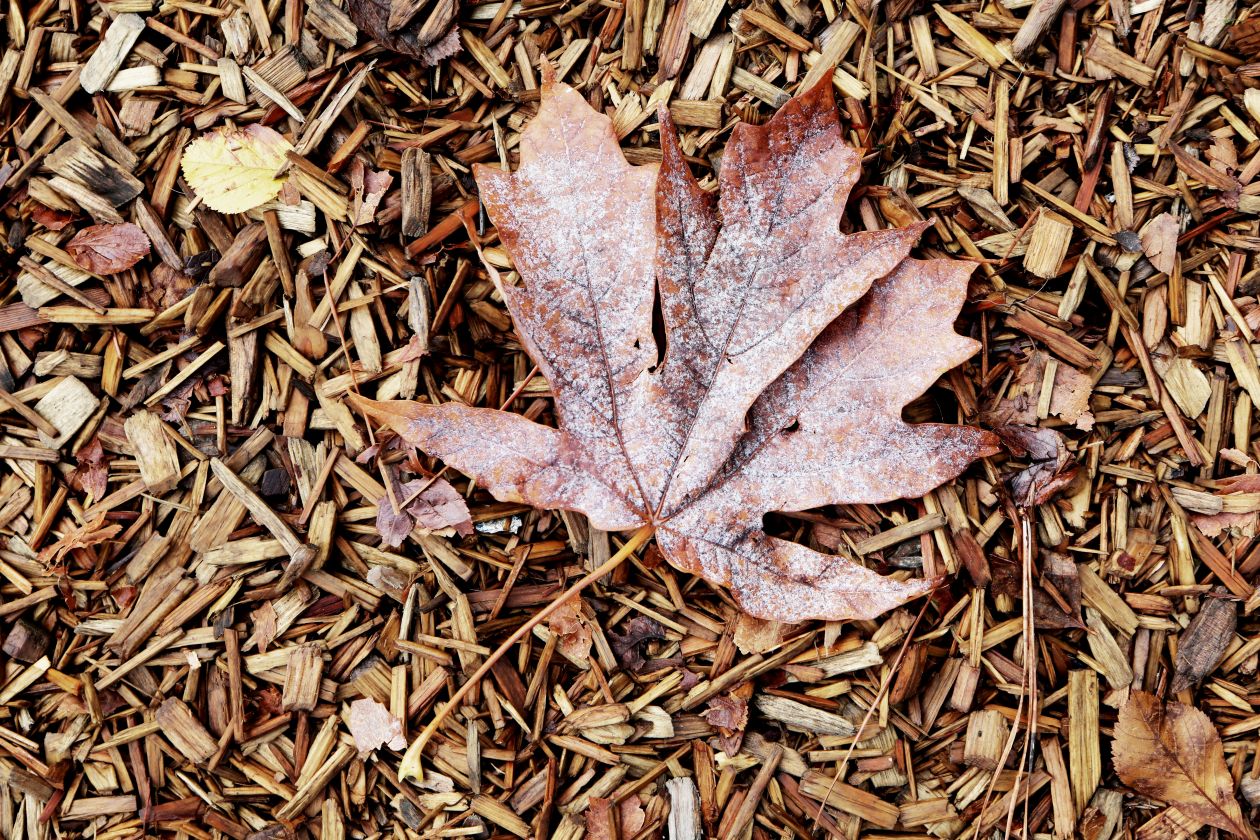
(410, 764)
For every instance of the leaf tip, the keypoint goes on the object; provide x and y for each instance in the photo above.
(548, 74)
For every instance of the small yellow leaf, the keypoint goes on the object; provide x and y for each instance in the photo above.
(234, 169)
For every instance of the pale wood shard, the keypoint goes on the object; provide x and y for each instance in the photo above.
(302, 678)
(1084, 758)
(1041, 16)
(66, 407)
(112, 51)
(796, 715)
(185, 732)
(1048, 244)
(684, 809)
(987, 732)
(154, 450)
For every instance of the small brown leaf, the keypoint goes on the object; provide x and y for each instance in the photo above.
(728, 714)
(109, 249)
(1159, 242)
(1172, 753)
(432, 504)
(1069, 397)
(437, 505)
(757, 635)
(91, 475)
(368, 189)
(601, 813)
(628, 645)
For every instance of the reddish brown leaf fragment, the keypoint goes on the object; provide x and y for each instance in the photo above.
(429, 37)
(573, 636)
(91, 474)
(435, 505)
(728, 714)
(90, 533)
(109, 249)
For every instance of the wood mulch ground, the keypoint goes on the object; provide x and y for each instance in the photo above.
(177, 663)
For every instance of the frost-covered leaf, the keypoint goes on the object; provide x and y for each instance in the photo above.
(108, 249)
(791, 349)
(234, 169)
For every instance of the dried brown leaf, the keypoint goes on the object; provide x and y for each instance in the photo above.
(1171, 752)
(432, 504)
(628, 645)
(573, 636)
(775, 392)
(728, 714)
(109, 249)
(90, 533)
(1159, 242)
(437, 505)
(368, 188)
(91, 474)
(1052, 468)
(1069, 397)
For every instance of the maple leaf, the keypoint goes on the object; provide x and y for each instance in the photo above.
(772, 392)
(1172, 753)
(234, 169)
(108, 249)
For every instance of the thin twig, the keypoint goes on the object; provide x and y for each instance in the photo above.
(410, 765)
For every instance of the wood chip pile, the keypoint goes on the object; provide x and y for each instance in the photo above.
(205, 635)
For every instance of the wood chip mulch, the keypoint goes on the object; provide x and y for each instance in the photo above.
(195, 602)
